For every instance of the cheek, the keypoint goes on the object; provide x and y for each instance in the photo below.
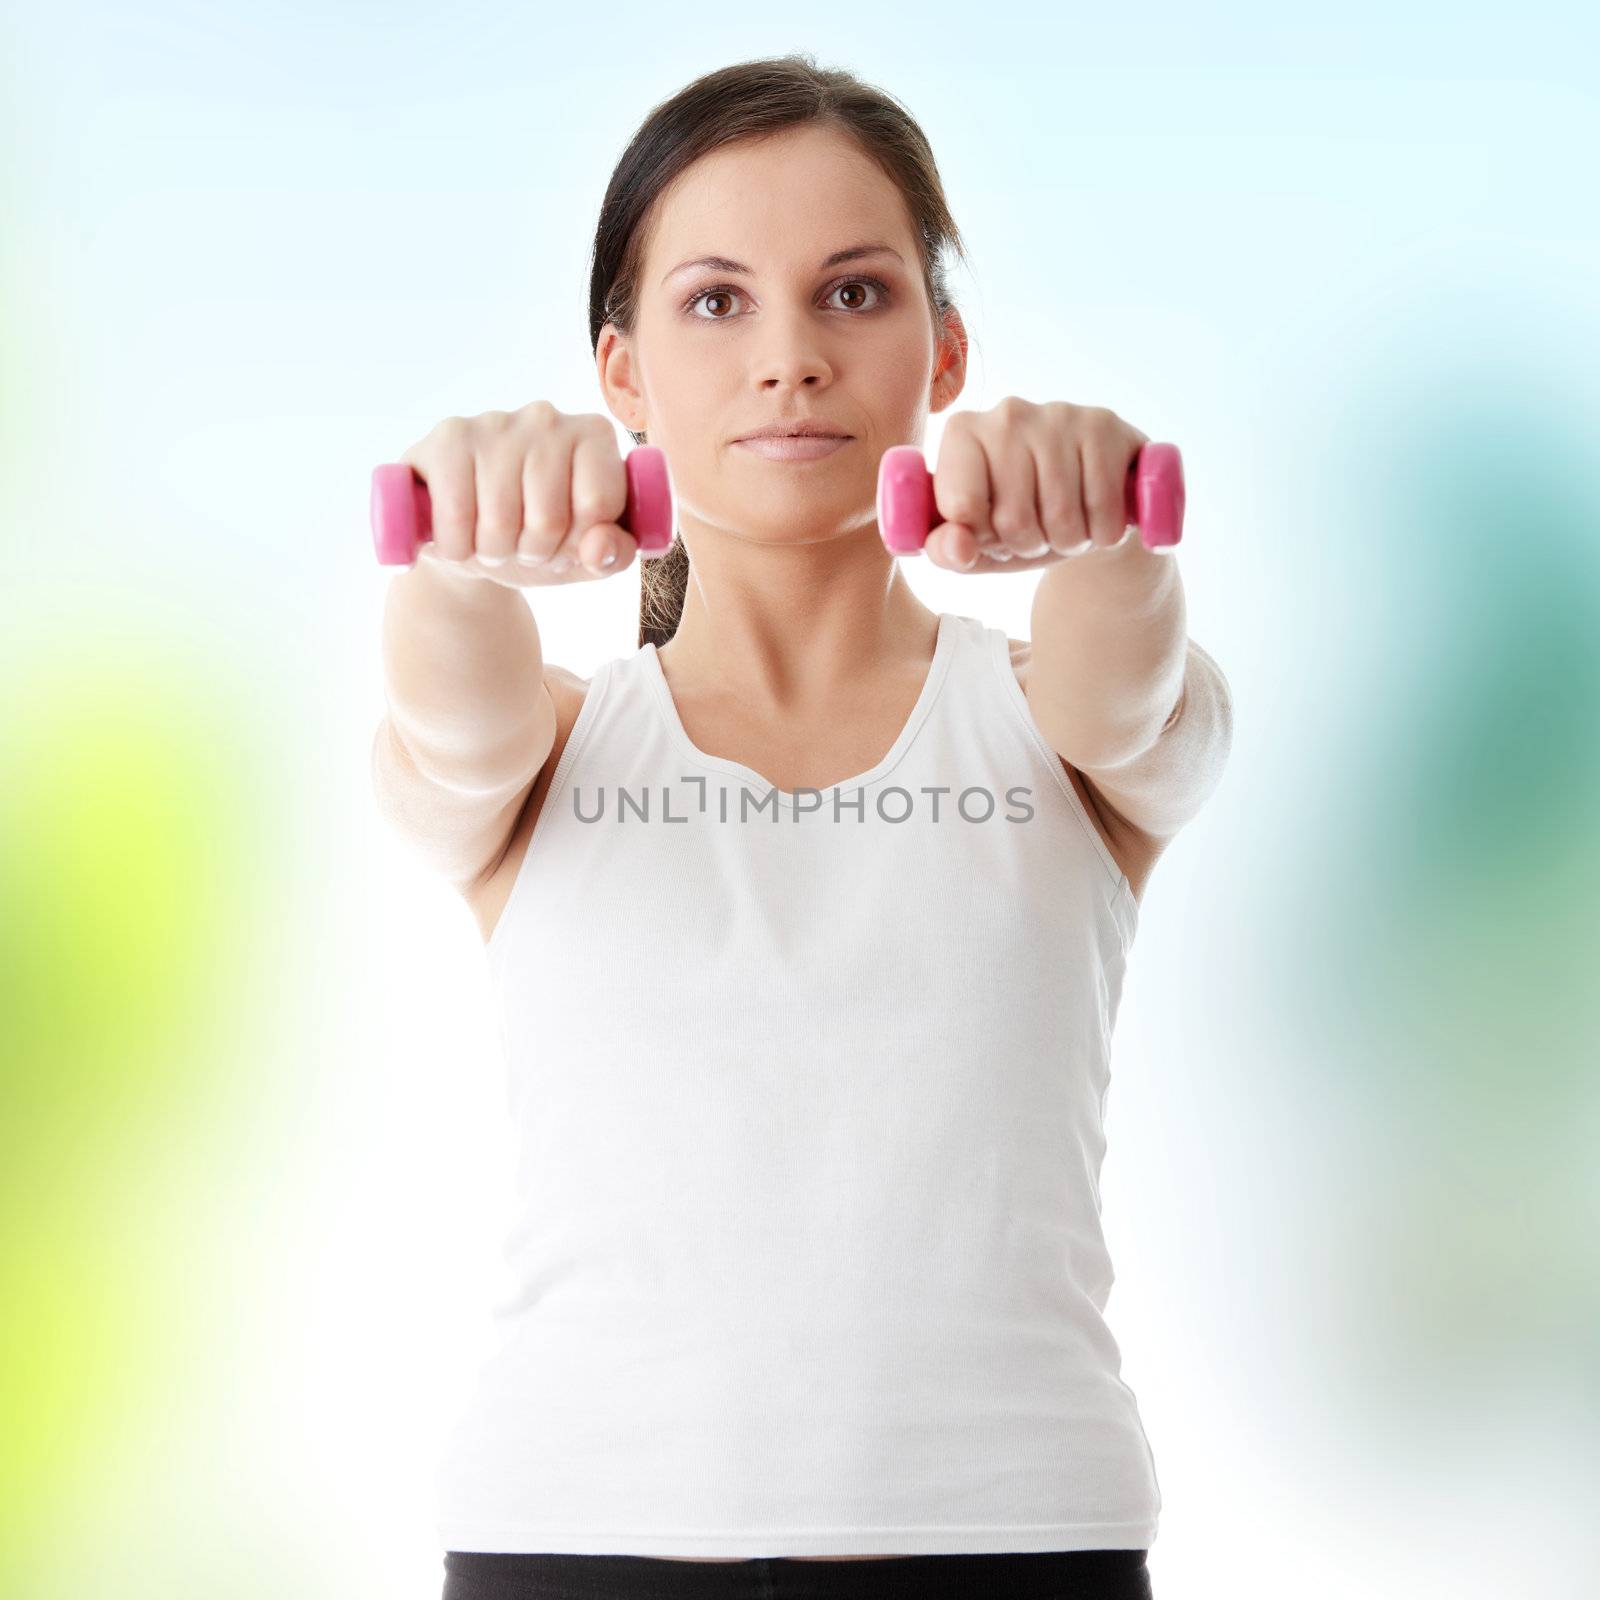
(685, 384)
(908, 360)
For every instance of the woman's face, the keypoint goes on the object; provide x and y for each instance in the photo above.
(718, 352)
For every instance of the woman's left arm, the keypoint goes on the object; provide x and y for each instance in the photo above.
(1115, 684)
(1119, 689)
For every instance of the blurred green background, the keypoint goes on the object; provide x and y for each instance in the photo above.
(252, 1143)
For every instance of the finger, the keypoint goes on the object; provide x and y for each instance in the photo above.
(570, 561)
(961, 481)
(953, 545)
(1106, 458)
(498, 484)
(1061, 499)
(605, 548)
(560, 566)
(546, 497)
(565, 557)
(453, 496)
(599, 498)
(1014, 512)
(581, 554)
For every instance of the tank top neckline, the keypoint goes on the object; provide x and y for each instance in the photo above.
(944, 644)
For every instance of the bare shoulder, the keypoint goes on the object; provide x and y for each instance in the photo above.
(488, 893)
(1131, 847)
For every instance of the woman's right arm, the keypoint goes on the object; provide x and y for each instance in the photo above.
(469, 722)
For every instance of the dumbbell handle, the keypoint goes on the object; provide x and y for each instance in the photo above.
(402, 510)
(907, 514)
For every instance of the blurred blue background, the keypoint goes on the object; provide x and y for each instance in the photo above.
(253, 1153)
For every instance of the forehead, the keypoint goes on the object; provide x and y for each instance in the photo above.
(799, 193)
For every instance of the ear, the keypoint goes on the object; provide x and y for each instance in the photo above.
(950, 363)
(614, 365)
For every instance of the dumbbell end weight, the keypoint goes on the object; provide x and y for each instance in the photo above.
(906, 513)
(402, 512)
(1156, 497)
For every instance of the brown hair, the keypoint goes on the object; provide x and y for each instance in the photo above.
(748, 100)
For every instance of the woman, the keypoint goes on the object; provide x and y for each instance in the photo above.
(808, 919)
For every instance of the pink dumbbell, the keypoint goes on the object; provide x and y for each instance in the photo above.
(907, 515)
(402, 512)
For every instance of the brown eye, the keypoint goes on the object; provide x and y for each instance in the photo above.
(855, 286)
(707, 295)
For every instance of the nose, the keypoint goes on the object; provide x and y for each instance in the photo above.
(793, 356)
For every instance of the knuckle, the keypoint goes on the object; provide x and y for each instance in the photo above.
(545, 493)
(449, 515)
(544, 513)
(592, 504)
(1097, 495)
(498, 521)
(451, 430)
(1058, 512)
(451, 529)
(450, 486)
(542, 521)
(535, 420)
(599, 489)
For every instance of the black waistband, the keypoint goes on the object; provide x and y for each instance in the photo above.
(1019, 1575)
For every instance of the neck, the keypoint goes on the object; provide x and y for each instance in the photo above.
(785, 627)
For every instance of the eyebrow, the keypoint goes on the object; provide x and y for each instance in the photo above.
(723, 264)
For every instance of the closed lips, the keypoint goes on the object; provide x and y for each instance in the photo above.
(795, 433)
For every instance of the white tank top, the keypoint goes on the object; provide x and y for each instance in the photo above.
(808, 1093)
